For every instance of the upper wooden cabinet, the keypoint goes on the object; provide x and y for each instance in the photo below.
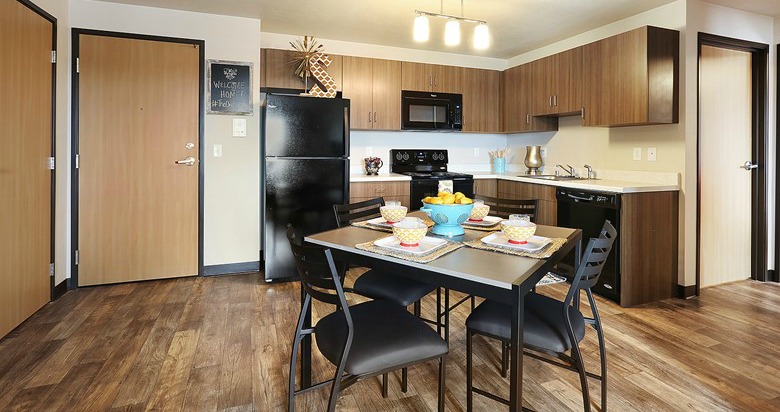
(277, 71)
(481, 102)
(516, 102)
(431, 77)
(632, 78)
(374, 89)
(557, 83)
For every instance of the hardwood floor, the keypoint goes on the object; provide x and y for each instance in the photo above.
(208, 344)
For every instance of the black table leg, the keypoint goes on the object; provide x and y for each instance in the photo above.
(306, 349)
(516, 352)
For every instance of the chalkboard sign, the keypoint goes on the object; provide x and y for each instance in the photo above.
(230, 87)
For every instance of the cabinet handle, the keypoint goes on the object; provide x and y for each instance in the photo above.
(582, 112)
(374, 117)
(430, 80)
(550, 102)
(556, 100)
(369, 117)
(528, 118)
(379, 190)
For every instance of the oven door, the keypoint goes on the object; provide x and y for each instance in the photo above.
(425, 113)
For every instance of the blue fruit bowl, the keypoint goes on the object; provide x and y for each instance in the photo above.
(447, 218)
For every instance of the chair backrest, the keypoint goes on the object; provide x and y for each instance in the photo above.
(505, 207)
(317, 271)
(366, 209)
(593, 260)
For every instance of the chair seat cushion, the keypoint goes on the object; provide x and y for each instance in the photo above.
(385, 337)
(380, 285)
(544, 325)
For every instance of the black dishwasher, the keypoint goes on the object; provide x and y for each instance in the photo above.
(588, 210)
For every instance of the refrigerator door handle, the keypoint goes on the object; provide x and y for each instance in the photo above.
(346, 130)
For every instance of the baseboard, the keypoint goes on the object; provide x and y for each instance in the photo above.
(58, 290)
(771, 275)
(231, 268)
(685, 292)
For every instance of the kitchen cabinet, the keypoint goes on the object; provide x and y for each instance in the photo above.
(374, 89)
(481, 101)
(516, 103)
(486, 187)
(431, 77)
(547, 214)
(398, 190)
(648, 247)
(276, 70)
(557, 83)
(632, 78)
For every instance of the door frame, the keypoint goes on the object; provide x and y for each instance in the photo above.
(53, 293)
(760, 139)
(75, 33)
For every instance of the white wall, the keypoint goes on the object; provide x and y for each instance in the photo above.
(232, 182)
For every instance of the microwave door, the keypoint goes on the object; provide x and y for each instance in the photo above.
(426, 114)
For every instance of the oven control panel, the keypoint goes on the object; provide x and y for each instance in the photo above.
(418, 156)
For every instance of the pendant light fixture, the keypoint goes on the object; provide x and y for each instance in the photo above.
(451, 28)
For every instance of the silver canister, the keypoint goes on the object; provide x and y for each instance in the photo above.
(533, 159)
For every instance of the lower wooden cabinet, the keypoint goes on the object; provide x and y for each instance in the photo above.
(548, 206)
(486, 187)
(360, 191)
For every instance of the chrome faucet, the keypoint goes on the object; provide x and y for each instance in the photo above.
(570, 169)
(590, 171)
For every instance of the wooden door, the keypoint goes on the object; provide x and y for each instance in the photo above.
(725, 143)
(542, 72)
(25, 178)
(448, 79)
(481, 97)
(138, 111)
(386, 94)
(511, 118)
(358, 83)
(416, 76)
(277, 70)
(568, 82)
(529, 122)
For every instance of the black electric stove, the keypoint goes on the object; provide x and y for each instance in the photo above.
(426, 168)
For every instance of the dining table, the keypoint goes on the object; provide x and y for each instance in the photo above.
(488, 274)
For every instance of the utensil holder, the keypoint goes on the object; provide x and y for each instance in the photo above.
(499, 165)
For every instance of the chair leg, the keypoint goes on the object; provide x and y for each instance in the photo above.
(291, 384)
(577, 356)
(442, 375)
(438, 311)
(404, 380)
(504, 359)
(417, 308)
(603, 356)
(384, 385)
(469, 377)
(473, 302)
(447, 315)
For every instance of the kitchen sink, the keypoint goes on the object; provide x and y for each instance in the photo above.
(554, 177)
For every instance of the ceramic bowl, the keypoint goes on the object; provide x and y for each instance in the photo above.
(410, 236)
(479, 212)
(518, 231)
(393, 214)
(447, 218)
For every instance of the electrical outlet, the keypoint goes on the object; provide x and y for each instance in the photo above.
(543, 152)
(651, 154)
(217, 150)
(369, 151)
(476, 152)
(637, 153)
(239, 127)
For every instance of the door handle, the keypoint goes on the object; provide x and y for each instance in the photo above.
(749, 166)
(187, 161)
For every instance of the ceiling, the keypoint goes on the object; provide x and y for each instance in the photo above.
(516, 26)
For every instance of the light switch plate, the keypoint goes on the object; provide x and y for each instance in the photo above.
(651, 156)
(637, 153)
(217, 150)
(476, 152)
(369, 151)
(239, 127)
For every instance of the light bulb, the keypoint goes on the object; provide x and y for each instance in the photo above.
(421, 31)
(481, 37)
(452, 33)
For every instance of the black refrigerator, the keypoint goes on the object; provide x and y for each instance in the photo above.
(305, 152)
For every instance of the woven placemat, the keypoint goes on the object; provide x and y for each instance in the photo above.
(365, 225)
(481, 228)
(544, 253)
(449, 247)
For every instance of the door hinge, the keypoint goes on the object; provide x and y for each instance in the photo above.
(77, 161)
(51, 269)
(77, 65)
(54, 56)
(76, 257)
(51, 163)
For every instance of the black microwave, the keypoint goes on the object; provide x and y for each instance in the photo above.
(431, 111)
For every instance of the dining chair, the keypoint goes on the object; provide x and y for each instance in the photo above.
(551, 327)
(365, 340)
(376, 284)
(505, 207)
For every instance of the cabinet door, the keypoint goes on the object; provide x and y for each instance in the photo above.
(416, 76)
(542, 73)
(278, 71)
(387, 94)
(567, 90)
(512, 118)
(448, 79)
(525, 99)
(486, 187)
(358, 88)
(481, 100)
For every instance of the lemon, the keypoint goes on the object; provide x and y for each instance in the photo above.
(443, 194)
(449, 199)
(459, 195)
(427, 199)
(465, 201)
(436, 201)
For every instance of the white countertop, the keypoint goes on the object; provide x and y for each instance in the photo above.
(612, 182)
(382, 177)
